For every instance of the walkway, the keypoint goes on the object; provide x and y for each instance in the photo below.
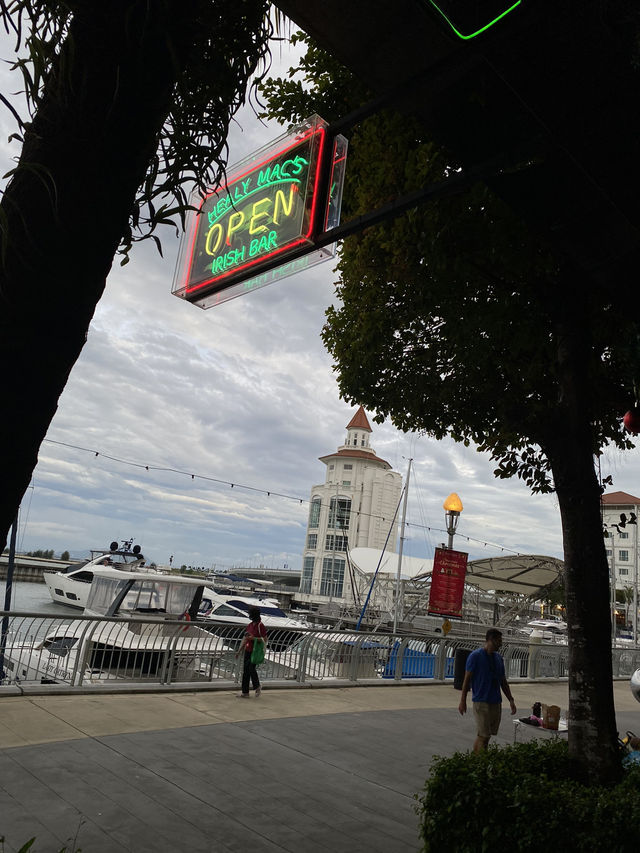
(299, 770)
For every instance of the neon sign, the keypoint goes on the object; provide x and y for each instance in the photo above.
(270, 207)
(469, 18)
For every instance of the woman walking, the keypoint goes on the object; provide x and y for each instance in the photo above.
(255, 631)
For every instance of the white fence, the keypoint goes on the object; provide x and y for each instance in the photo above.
(153, 651)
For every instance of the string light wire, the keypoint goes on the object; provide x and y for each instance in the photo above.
(269, 493)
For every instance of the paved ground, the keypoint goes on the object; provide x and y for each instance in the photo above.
(300, 770)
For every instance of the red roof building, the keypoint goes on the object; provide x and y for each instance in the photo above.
(620, 499)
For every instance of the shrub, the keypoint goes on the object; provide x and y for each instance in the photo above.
(522, 797)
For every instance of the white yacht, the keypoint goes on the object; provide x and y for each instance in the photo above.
(552, 623)
(109, 641)
(232, 609)
(228, 615)
(71, 586)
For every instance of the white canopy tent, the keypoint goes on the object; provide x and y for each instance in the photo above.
(522, 574)
(367, 559)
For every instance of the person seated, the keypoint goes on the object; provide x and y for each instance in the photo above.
(634, 756)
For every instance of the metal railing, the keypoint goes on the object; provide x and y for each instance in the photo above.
(85, 651)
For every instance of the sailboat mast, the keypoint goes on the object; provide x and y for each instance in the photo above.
(398, 575)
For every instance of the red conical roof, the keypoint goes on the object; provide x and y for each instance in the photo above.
(359, 421)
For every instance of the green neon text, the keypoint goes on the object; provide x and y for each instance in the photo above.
(287, 172)
(256, 218)
(481, 29)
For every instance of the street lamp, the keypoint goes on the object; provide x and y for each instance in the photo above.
(452, 509)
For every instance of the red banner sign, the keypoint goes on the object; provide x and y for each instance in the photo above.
(447, 582)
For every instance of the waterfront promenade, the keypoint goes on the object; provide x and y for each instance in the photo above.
(304, 770)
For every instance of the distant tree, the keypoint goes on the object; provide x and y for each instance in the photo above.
(65, 555)
(129, 103)
(626, 596)
(47, 555)
(455, 320)
(556, 596)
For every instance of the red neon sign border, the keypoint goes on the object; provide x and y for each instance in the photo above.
(291, 245)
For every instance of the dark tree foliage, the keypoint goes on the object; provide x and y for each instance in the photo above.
(456, 320)
(129, 104)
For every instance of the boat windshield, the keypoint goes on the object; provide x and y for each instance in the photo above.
(59, 645)
(264, 611)
(147, 596)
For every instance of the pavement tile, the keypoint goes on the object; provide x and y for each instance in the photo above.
(23, 721)
(99, 715)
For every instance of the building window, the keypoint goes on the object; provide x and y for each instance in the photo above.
(346, 483)
(312, 541)
(348, 467)
(339, 512)
(362, 441)
(608, 552)
(332, 579)
(355, 439)
(307, 574)
(314, 513)
(623, 556)
(335, 542)
(623, 571)
(623, 534)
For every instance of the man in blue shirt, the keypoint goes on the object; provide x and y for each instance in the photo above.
(486, 677)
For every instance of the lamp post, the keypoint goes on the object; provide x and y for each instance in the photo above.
(452, 509)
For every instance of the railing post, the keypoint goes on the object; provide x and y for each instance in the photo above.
(165, 673)
(397, 676)
(441, 660)
(355, 659)
(302, 660)
(77, 674)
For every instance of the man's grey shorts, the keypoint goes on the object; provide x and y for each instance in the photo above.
(487, 716)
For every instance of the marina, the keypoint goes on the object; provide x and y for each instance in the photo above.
(141, 650)
(168, 630)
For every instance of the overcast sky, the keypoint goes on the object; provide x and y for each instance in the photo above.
(243, 393)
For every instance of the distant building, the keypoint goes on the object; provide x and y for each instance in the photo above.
(354, 507)
(619, 511)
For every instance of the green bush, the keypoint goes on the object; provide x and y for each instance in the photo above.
(521, 798)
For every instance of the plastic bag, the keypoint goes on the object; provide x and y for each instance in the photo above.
(257, 653)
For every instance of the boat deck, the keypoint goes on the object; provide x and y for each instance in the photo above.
(304, 770)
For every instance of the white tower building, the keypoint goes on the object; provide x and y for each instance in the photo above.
(354, 507)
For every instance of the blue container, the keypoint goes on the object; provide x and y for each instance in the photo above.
(415, 664)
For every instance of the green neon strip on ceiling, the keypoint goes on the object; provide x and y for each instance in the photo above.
(482, 29)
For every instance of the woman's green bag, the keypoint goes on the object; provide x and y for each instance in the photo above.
(257, 654)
